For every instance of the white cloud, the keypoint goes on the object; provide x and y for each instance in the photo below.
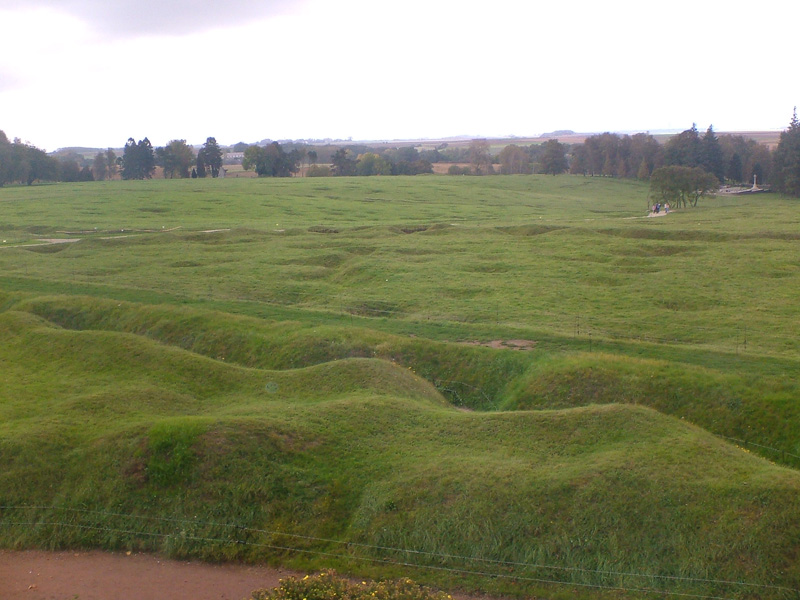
(8, 80)
(93, 73)
(158, 17)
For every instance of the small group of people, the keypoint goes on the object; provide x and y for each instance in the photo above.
(658, 206)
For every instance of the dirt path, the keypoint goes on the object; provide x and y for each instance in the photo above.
(36, 575)
(97, 575)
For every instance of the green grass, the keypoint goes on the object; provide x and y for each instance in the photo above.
(269, 392)
(520, 252)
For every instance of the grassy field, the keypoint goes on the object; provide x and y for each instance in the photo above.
(300, 372)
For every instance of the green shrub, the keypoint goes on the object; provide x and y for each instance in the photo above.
(318, 171)
(329, 586)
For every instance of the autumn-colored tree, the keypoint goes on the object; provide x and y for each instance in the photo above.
(100, 166)
(579, 165)
(372, 164)
(112, 163)
(744, 157)
(176, 159)
(514, 160)
(480, 157)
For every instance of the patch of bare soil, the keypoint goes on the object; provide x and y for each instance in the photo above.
(37, 575)
(44, 242)
(59, 240)
(506, 344)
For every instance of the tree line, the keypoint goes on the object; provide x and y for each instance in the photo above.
(728, 158)
(691, 157)
(549, 157)
(23, 163)
(685, 160)
(139, 160)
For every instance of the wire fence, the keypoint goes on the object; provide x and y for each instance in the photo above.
(785, 457)
(123, 525)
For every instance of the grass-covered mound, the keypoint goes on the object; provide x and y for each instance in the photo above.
(745, 399)
(113, 439)
(762, 411)
(468, 375)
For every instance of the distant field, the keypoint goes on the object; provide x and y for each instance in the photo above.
(518, 385)
(237, 171)
(541, 254)
(768, 138)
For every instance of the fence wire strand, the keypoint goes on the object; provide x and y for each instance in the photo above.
(349, 544)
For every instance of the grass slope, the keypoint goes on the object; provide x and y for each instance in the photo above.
(557, 255)
(278, 371)
(115, 429)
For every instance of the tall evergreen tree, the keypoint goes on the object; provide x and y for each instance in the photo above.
(6, 152)
(138, 159)
(201, 164)
(212, 156)
(343, 165)
(787, 159)
(684, 149)
(712, 157)
(734, 172)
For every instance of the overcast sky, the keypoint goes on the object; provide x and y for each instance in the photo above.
(96, 72)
